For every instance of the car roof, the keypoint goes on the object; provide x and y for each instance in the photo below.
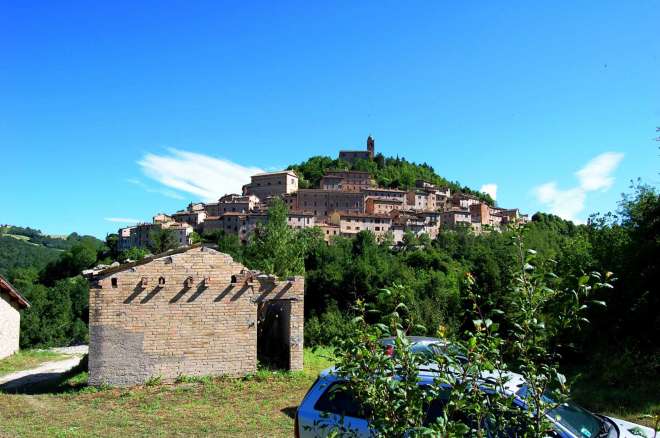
(427, 375)
(415, 339)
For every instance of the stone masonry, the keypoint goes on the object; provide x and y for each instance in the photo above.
(192, 311)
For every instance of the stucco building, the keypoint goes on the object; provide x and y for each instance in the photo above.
(232, 203)
(268, 184)
(11, 304)
(139, 235)
(382, 206)
(352, 223)
(194, 312)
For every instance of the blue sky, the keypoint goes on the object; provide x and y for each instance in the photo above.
(116, 111)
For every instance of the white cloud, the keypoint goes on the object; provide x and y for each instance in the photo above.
(595, 175)
(122, 220)
(197, 174)
(165, 192)
(491, 189)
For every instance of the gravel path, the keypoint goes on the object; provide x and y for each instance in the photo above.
(44, 373)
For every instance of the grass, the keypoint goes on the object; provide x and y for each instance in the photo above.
(26, 359)
(261, 404)
(633, 398)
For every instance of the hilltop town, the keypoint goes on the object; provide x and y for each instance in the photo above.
(344, 203)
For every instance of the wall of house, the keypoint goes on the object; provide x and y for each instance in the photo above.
(206, 327)
(10, 326)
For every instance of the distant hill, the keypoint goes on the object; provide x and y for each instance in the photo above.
(396, 173)
(22, 247)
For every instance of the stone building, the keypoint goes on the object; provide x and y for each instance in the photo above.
(192, 218)
(383, 193)
(480, 214)
(352, 223)
(230, 223)
(192, 311)
(346, 180)
(456, 216)
(139, 235)
(301, 219)
(421, 200)
(351, 156)
(323, 202)
(329, 231)
(382, 206)
(232, 203)
(11, 304)
(463, 200)
(268, 184)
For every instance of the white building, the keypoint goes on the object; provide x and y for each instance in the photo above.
(11, 304)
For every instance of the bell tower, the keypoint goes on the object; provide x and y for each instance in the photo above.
(371, 146)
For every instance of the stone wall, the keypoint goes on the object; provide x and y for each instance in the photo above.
(193, 312)
(10, 325)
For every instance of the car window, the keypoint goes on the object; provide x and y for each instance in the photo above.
(435, 410)
(338, 399)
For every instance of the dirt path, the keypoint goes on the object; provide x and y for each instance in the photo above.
(44, 373)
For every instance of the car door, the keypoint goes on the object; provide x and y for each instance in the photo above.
(328, 407)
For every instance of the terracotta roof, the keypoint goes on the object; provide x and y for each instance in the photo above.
(290, 172)
(385, 200)
(10, 290)
(383, 189)
(354, 172)
(379, 216)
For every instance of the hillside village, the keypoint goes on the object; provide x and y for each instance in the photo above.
(345, 203)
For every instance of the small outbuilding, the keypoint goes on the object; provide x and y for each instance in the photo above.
(192, 311)
(11, 304)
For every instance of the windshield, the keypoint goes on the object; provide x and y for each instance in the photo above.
(577, 420)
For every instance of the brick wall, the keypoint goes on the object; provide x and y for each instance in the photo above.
(201, 321)
(10, 325)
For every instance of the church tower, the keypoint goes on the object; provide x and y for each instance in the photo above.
(371, 147)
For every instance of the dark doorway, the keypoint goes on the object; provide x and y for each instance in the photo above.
(273, 334)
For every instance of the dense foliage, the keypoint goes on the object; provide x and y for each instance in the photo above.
(16, 253)
(469, 389)
(386, 172)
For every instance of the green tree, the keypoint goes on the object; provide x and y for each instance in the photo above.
(162, 240)
(82, 256)
(275, 248)
(135, 253)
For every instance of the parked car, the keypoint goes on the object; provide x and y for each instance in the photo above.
(329, 404)
(425, 345)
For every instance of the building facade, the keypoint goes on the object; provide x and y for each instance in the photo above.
(382, 206)
(192, 312)
(346, 180)
(11, 305)
(352, 223)
(268, 184)
(323, 202)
